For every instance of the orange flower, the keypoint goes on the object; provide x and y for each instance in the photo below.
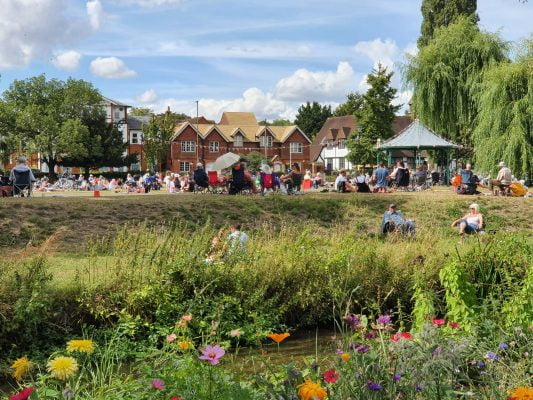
(345, 356)
(278, 337)
(523, 393)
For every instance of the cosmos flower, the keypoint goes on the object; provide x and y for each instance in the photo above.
(212, 354)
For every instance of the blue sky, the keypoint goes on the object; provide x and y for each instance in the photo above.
(232, 55)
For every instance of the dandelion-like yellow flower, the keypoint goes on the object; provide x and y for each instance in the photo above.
(345, 357)
(62, 368)
(184, 345)
(21, 366)
(310, 390)
(523, 393)
(81, 346)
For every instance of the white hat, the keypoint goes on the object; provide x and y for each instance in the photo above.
(501, 164)
(199, 165)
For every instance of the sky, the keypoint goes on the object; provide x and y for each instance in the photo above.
(265, 56)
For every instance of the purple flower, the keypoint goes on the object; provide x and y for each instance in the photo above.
(158, 384)
(384, 319)
(418, 388)
(371, 335)
(480, 364)
(362, 349)
(373, 386)
(503, 346)
(396, 377)
(295, 373)
(492, 356)
(437, 351)
(213, 354)
(353, 321)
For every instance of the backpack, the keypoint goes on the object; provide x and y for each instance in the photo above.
(267, 180)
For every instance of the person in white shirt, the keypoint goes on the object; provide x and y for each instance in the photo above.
(342, 184)
(503, 180)
(236, 240)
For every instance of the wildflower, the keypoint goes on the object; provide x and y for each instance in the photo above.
(419, 388)
(503, 346)
(68, 393)
(62, 368)
(362, 349)
(21, 366)
(176, 398)
(331, 376)
(396, 377)
(345, 357)
(454, 325)
(370, 335)
(184, 345)
(212, 354)
(310, 390)
(81, 346)
(158, 384)
(171, 337)
(187, 318)
(295, 373)
(384, 319)
(437, 351)
(480, 364)
(438, 322)
(353, 321)
(278, 337)
(401, 335)
(373, 386)
(492, 356)
(522, 393)
(24, 394)
(235, 333)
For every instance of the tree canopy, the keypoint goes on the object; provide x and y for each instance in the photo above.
(354, 102)
(156, 138)
(374, 117)
(439, 13)
(446, 72)
(311, 117)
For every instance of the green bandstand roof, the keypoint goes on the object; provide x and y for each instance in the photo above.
(417, 136)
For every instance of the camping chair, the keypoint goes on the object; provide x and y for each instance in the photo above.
(22, 183)
(215, 185)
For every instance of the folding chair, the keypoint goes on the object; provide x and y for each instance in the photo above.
(215, 185)
(22, 183)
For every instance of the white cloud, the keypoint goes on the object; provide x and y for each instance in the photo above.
(152, 3)
(380, 52)
(95, 12)
(306, 85)
(68, 60)
(411, 49)
(150, 96)
(111, 67)
(31, 29)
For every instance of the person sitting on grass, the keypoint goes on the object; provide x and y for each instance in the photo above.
(236, 240)
(342, 184)
(393, 221)
(471, 222)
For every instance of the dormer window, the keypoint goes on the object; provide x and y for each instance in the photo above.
(265, 141)
(238, 140)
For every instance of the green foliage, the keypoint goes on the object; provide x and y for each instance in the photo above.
(276, 122)
(311, 118)
(140, 111)
(439, 13)
(254, 160)
(156, 139)
(424, 301)
(504, 129)
(445, 75)
(374, 117)
(354, 102)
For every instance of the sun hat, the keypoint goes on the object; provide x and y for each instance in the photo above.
(501, 164)
(392, 205)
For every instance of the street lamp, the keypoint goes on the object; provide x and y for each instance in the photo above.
(378, 146)
(197, 131)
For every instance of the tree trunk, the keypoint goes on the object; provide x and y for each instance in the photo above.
(51, 163)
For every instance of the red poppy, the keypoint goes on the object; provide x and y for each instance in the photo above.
(454, 325)
(176, 398)
(401, 335)
(438, 322)
(24, 394)
(331, 376)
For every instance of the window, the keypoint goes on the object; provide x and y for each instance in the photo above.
(342, 163)
(238, 140)
(330, 144)
(136, 138)
(329, 164)
(296, 147)
(188, 146)
(213, 147)
(341, 145)
(185, 166)
(268, 141)
(117, 115)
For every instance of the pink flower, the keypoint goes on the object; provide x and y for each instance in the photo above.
(212, 354)
(24, 394)
(331, 376)
(454, 325)
(171, 337)
(401, 335)
(235, 333)
(438, 322)
(187, 317)
(158, 384)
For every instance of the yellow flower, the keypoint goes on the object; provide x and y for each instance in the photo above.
(184, 345)
(345, 356)
(310, 390)
(21, 366)
(523, 393)
(62, 368)
(81, 346)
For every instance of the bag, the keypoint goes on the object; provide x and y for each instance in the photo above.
(267, 180)
(518, 189)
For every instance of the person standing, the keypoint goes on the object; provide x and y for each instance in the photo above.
(379, 177)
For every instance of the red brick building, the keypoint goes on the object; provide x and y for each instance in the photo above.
(241, 134)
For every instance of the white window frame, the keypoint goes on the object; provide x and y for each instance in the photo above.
(185, 166)
(269, 141)
(135, 138)
(329, 144)
(214, 147)
(341, 144)
(342, 163)
(238, 140)
(116, 115)
(188, 146)
(296, 147)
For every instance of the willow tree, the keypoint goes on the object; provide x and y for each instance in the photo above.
(444, 73)
(504, 129)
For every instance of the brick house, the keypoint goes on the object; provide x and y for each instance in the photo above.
(238, 133)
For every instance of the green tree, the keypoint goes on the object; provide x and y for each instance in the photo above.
(311, 118)
(374, 117)
(140, 111)
(156, 138)
(46, 116)
(446, 72)
(440, 13)
(354, 101)
(276, 122)
(254, 159)
(504, 129)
